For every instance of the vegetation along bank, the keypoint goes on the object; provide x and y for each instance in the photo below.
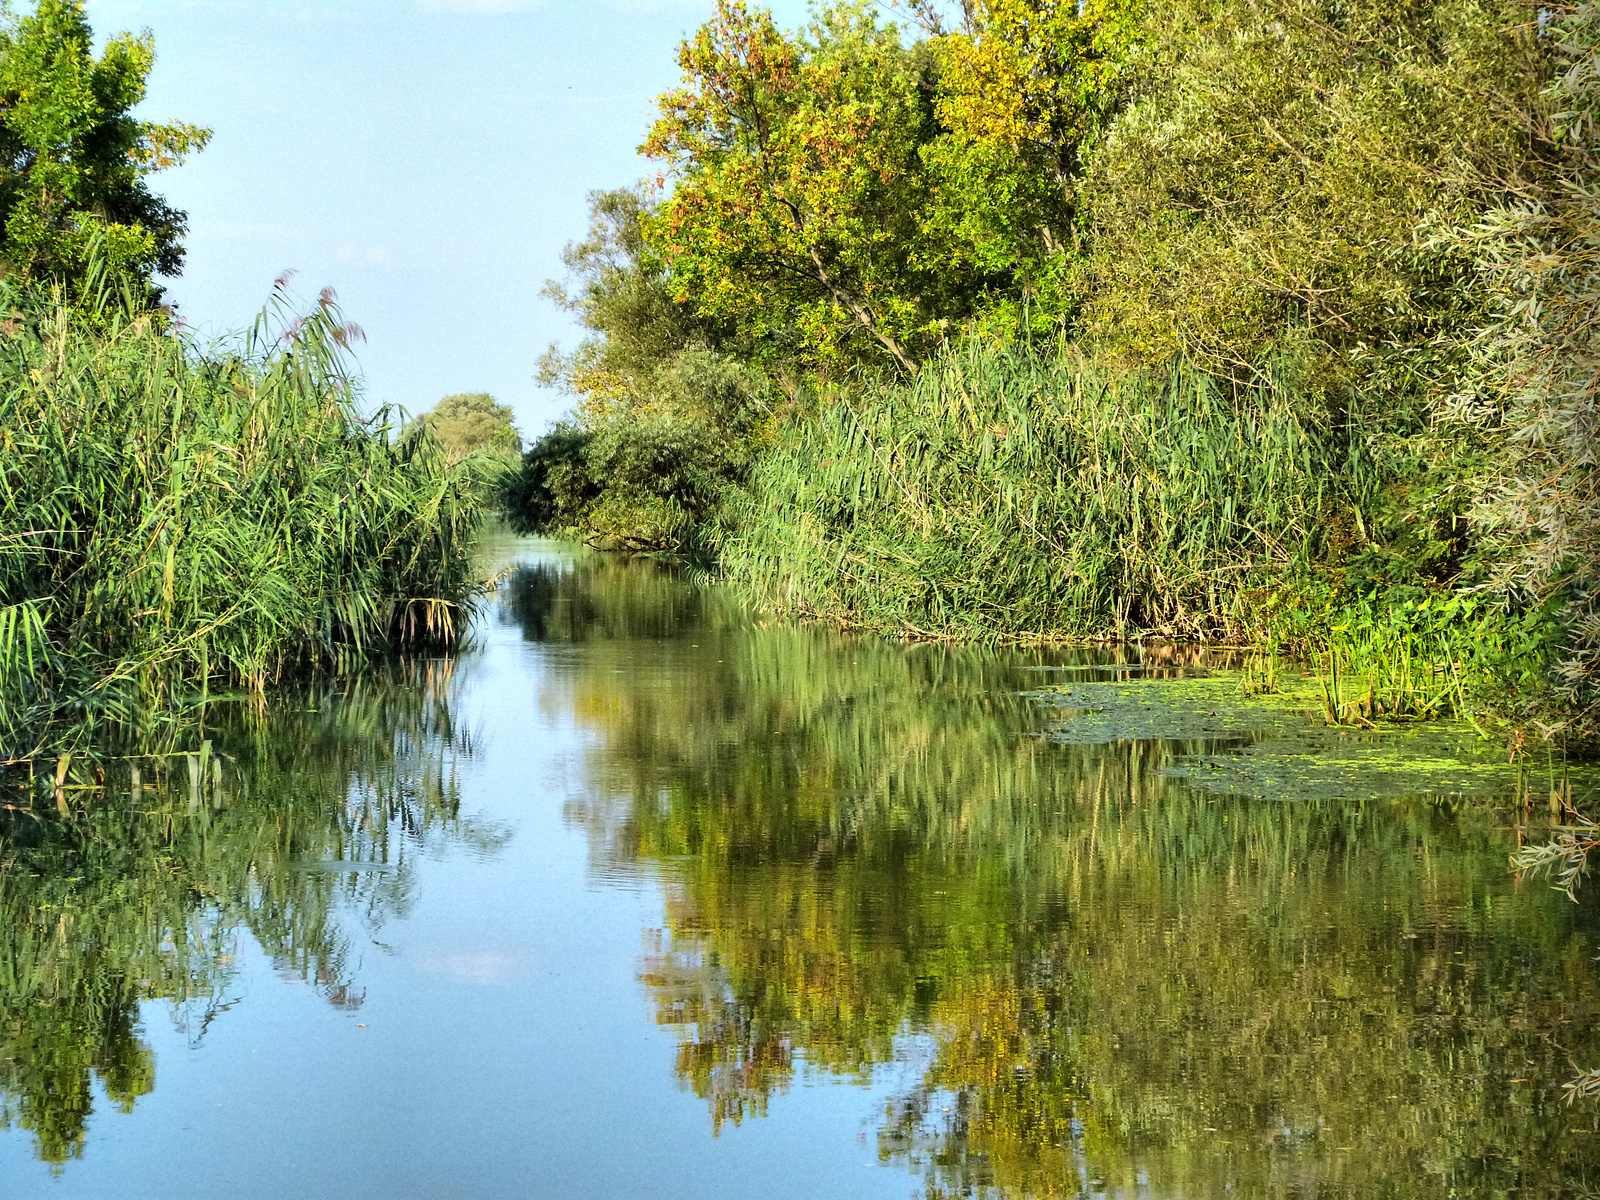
(1257, 322)
(176, 518)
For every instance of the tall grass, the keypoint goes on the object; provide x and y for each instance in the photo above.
(1002, 491)
(175, 518)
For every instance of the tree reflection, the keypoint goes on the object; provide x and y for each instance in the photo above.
(611, 598)
(1121, 984)
(303, 817)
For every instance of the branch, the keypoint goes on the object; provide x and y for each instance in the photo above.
(862, 313)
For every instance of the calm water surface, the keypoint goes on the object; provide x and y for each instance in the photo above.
(643, 898)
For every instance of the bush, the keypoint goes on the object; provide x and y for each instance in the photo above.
(650, 473)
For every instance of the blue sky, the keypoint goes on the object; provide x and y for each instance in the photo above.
(427, 159)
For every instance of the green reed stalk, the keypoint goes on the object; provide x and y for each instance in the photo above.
(174, 518)
(1004, 492)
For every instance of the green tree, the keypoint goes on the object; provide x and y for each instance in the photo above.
(1024, 87)
(620, 291)
(471, 423)
(1274, 177)
(800, 187)
(73, 160)
(667, 419)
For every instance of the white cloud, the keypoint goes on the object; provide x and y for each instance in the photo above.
(376, 256)
(479, 8)
(482, 967)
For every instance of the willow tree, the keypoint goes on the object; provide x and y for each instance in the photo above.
(1540, 505)
(1278, 170)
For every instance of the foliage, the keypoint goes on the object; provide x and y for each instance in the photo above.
(667, 420)
(1265, 201)
(469, 423)
(799, 187)
(553, 489)
(649, 477)
(1023, 89)
(1436, 654)
(76, 161)
(1540, 508)
(619, 289)
(1002, 491)
(1212, 180)
(173, 516)
(1278, 166)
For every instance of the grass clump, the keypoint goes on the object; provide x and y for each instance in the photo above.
(175, 518)
(1005, 491)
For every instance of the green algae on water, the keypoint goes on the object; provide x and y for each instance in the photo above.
(1277, 745)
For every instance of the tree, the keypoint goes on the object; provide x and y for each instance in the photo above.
(800, 187)
(1540, 508)
(1023, 87)
(667, 421)
(619, 289)
(73, 161)
(472, 423)
(1273, 178)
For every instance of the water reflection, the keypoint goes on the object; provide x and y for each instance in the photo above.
(304, 819)
(1066, 970)
(1115, 983)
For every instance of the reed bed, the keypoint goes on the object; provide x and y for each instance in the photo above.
(175, 518)
(1002, 492)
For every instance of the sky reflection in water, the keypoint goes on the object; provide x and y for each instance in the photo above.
(675, 903)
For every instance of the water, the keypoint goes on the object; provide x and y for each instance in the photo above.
(642, 897)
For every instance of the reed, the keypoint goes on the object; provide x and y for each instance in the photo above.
(1002, 492)
(176, 518)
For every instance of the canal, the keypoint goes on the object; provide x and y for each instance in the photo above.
(642, 895)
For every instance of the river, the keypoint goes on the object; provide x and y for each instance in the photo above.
(643, 896)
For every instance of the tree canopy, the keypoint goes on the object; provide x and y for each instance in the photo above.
(1378, 215)
(800, 186)
(74, 161)
(472, 423)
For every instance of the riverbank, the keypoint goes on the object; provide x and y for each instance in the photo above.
(1323, 384)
